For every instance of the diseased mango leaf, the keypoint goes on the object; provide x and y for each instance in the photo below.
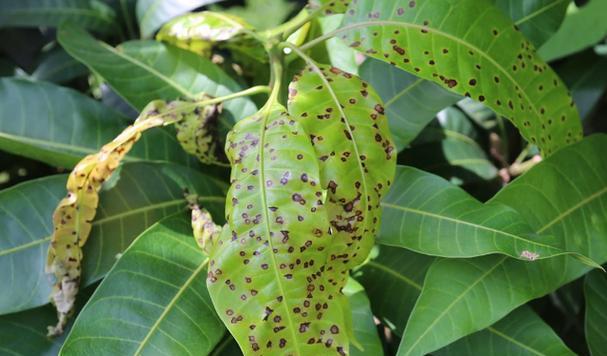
(595, 286)
(57, 66)
(349, 131)
(156, 71)
(410, 102)
(65, 125)
(454, 224)
(92, 14)
(270, 275)
(200, 31)
(521, 332)
(154, 299)
(140, 195)
(73, 217)
(152, 14)
(561, 199)
(488, 60)
(330, 7)
(538, 20)
(581, 28)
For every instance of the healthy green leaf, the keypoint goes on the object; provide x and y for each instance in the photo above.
(139, 195)
(349, 131)
(582, 28)
(57, 66)
(270, 275)
(256, 12)
(365, 330)
(411, 102)
(65, 125)
(595, 287)
(487, 60)
(24, 333)
(537, 19)
(393, 280)
(522, 332)
(565, 196)
(152, 14)
(153, 300)
(427, 214)
(95, 15)
(156, 71)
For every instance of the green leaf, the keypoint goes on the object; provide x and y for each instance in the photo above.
(64, 126)
(411, 102)
(277, 237)
(330, 6)
(537, 19)
(139, 195)
(57, 66)
(94, 14)
(454, 224)
(522, 332)
(153, 300)
(448, 148)
(565, 196)
(156, 71)
(393, 280)
(586, 77)
(349, 131)
(333, 51)
(582, 28)
(365, 330)
(595, 287)
(24, 333)
(487, 60)
(152, 14)
(256, 12)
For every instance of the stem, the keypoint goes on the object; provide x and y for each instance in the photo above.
(298, 51)
(276, 64)
(322, 38)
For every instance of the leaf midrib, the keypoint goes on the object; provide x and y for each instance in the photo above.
(538, 12)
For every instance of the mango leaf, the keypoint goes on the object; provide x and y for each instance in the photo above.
(538, 20)
(522, 332)
(394, 272)
(581, 28)
(330, 7)
(94, 15)
(255, 12)
(586, 77)
(68, 125)
(261, 268)
(139, 195)
(152, 14)
(447, 147)
(156, 71)
(487, 60)
(153, 300)
(595, 285)
(564, 197)
(411, 102)
(57, 66)
(349, 131)
(454, 224)
(334, 51)
(365, 330)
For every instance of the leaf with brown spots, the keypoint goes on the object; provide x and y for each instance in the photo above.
(199, 32)
(330, 6)
(73, 216)
(269, 275)
(487, 59)
(345, 120)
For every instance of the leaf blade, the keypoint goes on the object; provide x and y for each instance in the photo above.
(595, 285)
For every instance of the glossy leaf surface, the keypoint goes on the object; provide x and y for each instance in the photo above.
(561, 199)
(140, 195)
(154, 300)
(65, 125)
(156, 71)
(410, 102)
(152, 14)
(95, 15)
(521, 332)
(269, 273)
(349, 131)
(595, 286)
(487, 60)
(57, 66)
